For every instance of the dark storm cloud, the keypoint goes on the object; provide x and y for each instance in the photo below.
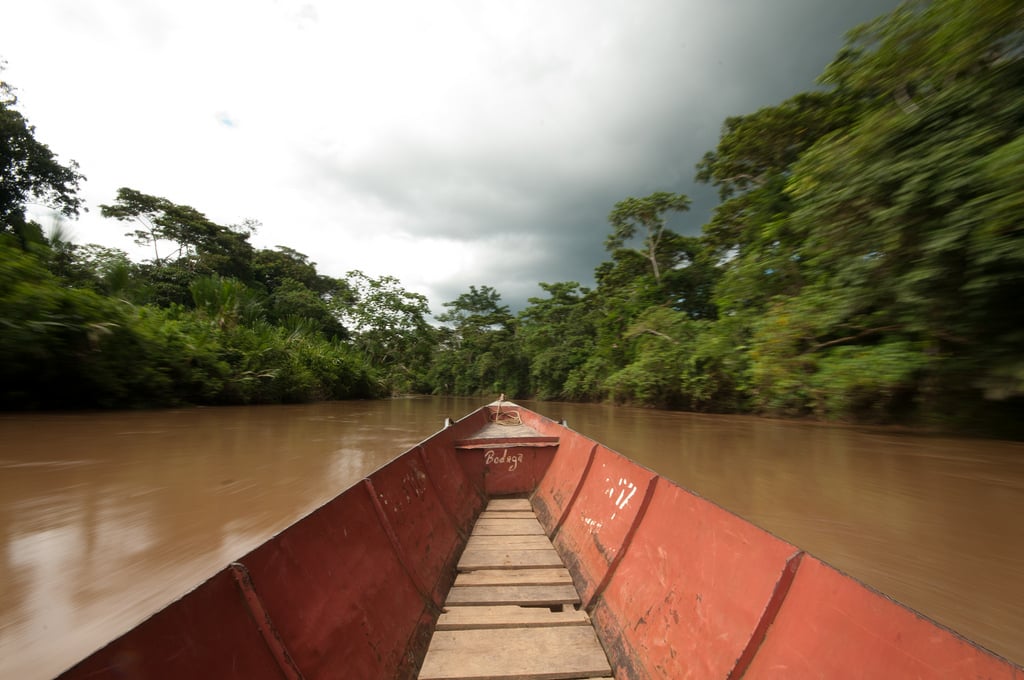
(531, 183)
(449, 144)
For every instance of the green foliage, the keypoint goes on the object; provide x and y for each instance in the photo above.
(718, 369)
(65, 344)
(29, 171)
(292, 300)
(206, 362)
(866, 262)
(646, 215)
(226, 302)
(663, 340)
(870, 382)
(925, 45)
(756, 148)
(199, 246)
(749, 230)
(390, 328)
(908, 219)
(557, 334)
(53, 339)
(639, 293)
(212, 323)
(295, 290)
(106, 270)
(271, 268)
(478, 353)
(164, 285)
(66, 347)
(679, 362)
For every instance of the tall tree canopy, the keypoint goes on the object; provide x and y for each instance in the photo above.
(911, 235)
(389, 325)
(195, 238)
(866, 261)
(478, 352)
(647, 214)
(556, 333)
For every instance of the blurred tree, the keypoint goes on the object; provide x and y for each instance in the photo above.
(662, 340)
(294, 288)
(389, 326)
(225, 301)
(556, 334)
(909, 245)
(29, 171)
(748, 232)
(200, 245)
(292, 300)
(58, 345)
(480, 354)
(631, 215)
(109, 270)
(272, 267)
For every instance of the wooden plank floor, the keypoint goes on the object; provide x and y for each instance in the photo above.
(511, 614)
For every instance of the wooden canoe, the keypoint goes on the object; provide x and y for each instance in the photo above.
(674, 586)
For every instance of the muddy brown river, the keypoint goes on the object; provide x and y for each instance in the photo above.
(107, 517)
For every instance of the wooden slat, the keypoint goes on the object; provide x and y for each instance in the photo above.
(515, 653)
(498, 621)
(509, 504)
(506, 514)
(511, 577)
(519, 517)
(509, 542)
(508, 559)
(508, 616)
(508, 527)
(537, 596)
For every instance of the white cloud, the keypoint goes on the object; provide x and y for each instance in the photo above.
(427, 140)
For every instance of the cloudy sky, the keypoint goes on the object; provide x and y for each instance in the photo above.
(444, 142)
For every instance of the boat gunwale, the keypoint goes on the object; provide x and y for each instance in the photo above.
(545, 426)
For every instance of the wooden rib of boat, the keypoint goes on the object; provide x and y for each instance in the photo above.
(509, 546)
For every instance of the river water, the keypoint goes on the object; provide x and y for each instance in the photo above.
(107, 517)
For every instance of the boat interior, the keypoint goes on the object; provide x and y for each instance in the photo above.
(509, 546)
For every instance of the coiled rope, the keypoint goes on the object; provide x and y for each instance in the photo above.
(508, 417)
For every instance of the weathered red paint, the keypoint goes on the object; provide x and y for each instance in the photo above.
(558, 489)
(677, 586)
(208, 633)
(689, 593)
(426, 534)
(832, 626)
(337, 592)
(264, 624)
(461, 500)
(502, 465)
(542, 424)
(501, 468)
(599, 520)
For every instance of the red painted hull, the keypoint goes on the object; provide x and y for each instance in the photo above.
(677, 586)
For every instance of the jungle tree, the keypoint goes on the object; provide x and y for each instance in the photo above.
(30, 172)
